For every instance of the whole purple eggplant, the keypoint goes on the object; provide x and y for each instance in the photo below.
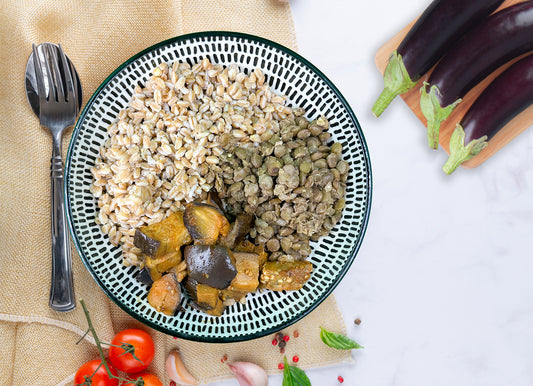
(503, 99)
(442, 24)
(503, 36)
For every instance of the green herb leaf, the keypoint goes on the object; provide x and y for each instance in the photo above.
(293, 376)
(338, 341)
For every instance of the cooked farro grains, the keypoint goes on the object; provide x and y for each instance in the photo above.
(160, 150)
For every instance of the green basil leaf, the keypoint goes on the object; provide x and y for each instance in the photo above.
(293, 376)
(338, 341)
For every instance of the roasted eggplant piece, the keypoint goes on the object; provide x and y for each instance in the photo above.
(217, 310)
(228, 294)
(180, 270)
(159, 265)
(285, 275)
(207, 296)
(143, 276)
(205, 223)
(248, 246)
(166, 236)
(247, 278)
(165, 294)
(190, 286)
(238, 230)
(213, 265)
(209, 299)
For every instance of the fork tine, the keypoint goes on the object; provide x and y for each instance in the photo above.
(58, 79)
(69, 84)
(41, 92)
(52, 91)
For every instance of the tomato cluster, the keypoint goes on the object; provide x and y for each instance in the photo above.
(131, 351)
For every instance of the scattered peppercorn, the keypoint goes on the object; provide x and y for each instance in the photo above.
(296, 334)
(224, 358)
(281, 366)
(295, 359)
(340, 379)
(281, 340)
(357, 321)
(172, 383)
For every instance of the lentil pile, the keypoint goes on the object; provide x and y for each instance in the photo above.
(293, 183)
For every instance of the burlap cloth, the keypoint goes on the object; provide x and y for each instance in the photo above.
(37, 345)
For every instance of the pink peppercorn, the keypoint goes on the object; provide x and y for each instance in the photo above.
(274, 342)
(281, 366)
(286, 338)
(295, 359)
(340, 379)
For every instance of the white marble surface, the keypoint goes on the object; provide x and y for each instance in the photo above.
(443, 281)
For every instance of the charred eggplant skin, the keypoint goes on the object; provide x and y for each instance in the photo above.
(145, 243)
(143, 276)
(503, 99)
(501, 37)
(440, 25)
(212, 265)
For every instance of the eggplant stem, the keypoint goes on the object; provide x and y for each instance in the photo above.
(384, 99)
(396, 81)
(460, 153)
(434, 113)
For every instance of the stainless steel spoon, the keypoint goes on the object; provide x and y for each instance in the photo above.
(53, 89)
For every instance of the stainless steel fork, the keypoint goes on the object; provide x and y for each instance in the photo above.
(57, 88)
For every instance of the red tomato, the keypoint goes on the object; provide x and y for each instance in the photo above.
(99, 378)
(149, 379)
(143, 346)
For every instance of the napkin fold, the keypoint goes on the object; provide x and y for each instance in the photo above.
(38, 345)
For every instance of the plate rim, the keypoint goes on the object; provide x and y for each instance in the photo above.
(184, 335)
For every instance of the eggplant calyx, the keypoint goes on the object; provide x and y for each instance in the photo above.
(460, 153)
(396, 80)
(434, 113)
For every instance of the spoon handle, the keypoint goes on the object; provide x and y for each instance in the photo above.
(61, 290)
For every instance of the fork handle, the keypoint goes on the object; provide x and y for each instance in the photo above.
(61, 288)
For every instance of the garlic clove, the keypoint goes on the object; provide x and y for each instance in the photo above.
(177, 371)
(249, 374)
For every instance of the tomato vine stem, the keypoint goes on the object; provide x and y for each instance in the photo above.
(92, 330)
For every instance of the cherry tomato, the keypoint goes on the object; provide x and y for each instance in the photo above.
(100, 378)
(149, 379)
(143, 346)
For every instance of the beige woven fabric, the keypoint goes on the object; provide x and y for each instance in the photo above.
(37, 345)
